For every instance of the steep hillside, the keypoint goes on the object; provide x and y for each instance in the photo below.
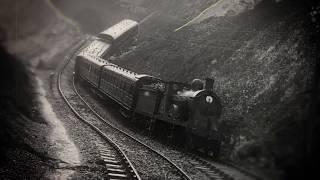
(36, 31)
(95, 15)
(35, 34)
(263, 61)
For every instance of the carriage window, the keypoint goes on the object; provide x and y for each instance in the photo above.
(117, 82)
(105, 76)
(127, 88)
(112, 79)
(108, 77)
(121, 84)
(125, 85)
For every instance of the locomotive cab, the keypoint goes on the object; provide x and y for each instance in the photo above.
(148, 95)
(176, 105)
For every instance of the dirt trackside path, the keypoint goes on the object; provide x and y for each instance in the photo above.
(82, 138)
(34, 143)
(60, 145)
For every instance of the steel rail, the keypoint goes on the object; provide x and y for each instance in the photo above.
(103, 135)
(184, 174)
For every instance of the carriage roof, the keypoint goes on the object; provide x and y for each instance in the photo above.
(121, 71)
(118, 29)
(97, 48)
(127, 74)
(134, 77)
(93, 59)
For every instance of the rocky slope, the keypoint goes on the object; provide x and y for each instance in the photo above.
(36, 31)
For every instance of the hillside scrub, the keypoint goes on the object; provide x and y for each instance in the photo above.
(263, 61)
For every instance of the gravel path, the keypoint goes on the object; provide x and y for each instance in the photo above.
(84, 138)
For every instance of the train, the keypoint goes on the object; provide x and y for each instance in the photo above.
(193, 107)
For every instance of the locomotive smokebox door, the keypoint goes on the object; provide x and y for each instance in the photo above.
(206, 113)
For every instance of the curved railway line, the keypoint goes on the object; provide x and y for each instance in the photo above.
(115, 154)
(183, 174)
(117, 162)
(205, 167)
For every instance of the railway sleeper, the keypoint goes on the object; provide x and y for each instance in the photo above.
(119, 166)
(109, 156)
(116, 170)
(109, 161)
(117, 176)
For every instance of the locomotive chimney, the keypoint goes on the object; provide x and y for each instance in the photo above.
(209, 84)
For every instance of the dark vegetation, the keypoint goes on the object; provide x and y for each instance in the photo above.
(16, 85)
(264, 62)
(18, 107)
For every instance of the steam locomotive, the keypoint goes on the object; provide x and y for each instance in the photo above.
(194, 107)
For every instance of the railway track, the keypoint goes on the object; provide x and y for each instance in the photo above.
(117, 163)
(210, 170)
(207, 169)
(114, 152)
